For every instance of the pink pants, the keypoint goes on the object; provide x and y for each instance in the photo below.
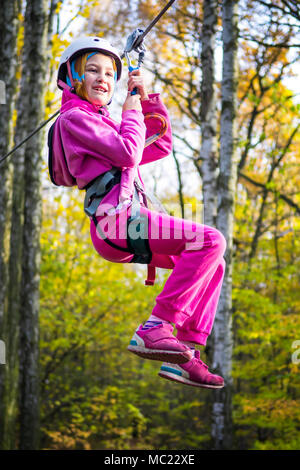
(193, 251)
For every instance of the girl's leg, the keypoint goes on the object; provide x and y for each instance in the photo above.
(158, 343)
(191, 293)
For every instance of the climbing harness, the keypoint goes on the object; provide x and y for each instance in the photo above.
(136, 223)
(95, 193)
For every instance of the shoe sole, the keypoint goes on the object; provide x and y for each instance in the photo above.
(173, 357)
(185, 381)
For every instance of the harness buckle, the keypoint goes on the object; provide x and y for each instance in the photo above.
(96, 190)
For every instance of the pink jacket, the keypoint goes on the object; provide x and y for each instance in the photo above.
(90, 143)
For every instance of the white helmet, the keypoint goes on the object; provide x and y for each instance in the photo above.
(82, 45)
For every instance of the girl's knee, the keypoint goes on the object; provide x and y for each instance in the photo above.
(219, 242)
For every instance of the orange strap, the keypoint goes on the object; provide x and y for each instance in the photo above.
(164, 126)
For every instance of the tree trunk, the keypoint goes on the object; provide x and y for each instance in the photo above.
(9, 25)
(12, 324)
(226, 188)
(36, 28)
(208, 113)
(180, 184)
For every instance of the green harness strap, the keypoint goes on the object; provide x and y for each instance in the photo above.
(137, 232)
(96, 190)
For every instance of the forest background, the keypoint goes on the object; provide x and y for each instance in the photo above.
(66, 315)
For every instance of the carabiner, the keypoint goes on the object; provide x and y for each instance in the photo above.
(133, 44)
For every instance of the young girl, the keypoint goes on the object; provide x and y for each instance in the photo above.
(90, 149)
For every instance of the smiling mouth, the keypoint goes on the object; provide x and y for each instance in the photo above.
(99, 90)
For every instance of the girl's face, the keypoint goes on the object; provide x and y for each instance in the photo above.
(99, 79)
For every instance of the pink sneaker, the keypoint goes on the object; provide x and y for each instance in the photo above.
(159, 344)
(194, 373)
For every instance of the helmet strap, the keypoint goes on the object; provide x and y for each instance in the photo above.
(70, 74)
(64, 85)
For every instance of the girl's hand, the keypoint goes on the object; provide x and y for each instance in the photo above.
(136, 80)
(132, 102)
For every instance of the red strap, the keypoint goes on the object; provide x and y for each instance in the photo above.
(63, 85)
(150, 276)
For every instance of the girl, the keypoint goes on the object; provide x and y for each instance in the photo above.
(96, 153)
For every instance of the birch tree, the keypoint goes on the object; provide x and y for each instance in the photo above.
(9, 26)
(208, 113)
(226, 188)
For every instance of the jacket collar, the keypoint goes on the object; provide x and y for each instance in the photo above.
(71, 100)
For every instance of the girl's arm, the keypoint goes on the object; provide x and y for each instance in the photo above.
(86, 135)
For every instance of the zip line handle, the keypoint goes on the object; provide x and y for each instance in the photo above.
(130, 68)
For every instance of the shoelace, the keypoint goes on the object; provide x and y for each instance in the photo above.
(197, 359)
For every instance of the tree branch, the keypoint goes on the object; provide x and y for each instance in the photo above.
(282, 196)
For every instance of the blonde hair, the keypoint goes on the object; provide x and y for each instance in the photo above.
(79, 66)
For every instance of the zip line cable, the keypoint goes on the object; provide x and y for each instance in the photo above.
(141, 37)
(136, 43)
(29, 136)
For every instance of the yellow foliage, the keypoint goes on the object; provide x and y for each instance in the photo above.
(20, 37)
(70, 439)
(58, 46)
(58, 7)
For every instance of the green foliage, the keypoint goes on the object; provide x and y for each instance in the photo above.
(266, 323)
